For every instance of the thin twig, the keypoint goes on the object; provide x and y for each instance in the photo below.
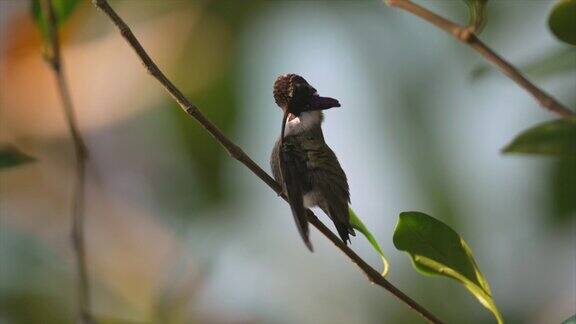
(373, 275)
(53, 56)
(467, 36)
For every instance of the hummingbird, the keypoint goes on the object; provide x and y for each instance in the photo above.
(303, 163)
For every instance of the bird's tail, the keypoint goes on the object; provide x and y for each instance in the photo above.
(341, 219)
(302, 225)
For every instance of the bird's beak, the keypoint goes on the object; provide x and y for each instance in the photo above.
(322, 103)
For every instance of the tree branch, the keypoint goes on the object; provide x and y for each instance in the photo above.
(467, 36)
(54, 59)
(373, 275)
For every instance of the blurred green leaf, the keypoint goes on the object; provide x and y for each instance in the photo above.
(10, 156)
(561, 60)
(32, 306)
(62, 10)
(207, 159)
(562, 21)
(35, 285)
(113, 320)
(218, 97)
(562, 182)
(476, 14)
(556, 137)
(436, 249)
(570, 320)
(357, 224)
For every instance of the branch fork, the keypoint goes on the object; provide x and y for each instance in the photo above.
(467, 35)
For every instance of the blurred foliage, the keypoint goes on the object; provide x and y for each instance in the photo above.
(562, 186)
(570, 320)
(476, 14)
(62, 11)
(112, 320)
(556, 138)
(436, 249)
(218, 98)
(208, 158)
(236, 13)
(175, 303)
(33, 285)
(561, 60)
(419, 143)
(357, 224)
(10, 156)
(562, 21)
(429, 171)
(31, 306)
(561, 180)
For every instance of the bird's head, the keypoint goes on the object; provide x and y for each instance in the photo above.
(293, 93)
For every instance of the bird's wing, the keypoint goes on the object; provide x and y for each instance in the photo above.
(292, 169)
(330, 180)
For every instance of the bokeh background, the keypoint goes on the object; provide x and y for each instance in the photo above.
(178, 232)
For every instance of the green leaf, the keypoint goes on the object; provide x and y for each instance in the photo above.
(11, 156)
(62, 10)
(476, 14)
(357, 224)
(562, 21)
(570, 320)
(557, 137)
(436, 249)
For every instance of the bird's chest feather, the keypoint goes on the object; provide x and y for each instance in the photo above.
(303, 123)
